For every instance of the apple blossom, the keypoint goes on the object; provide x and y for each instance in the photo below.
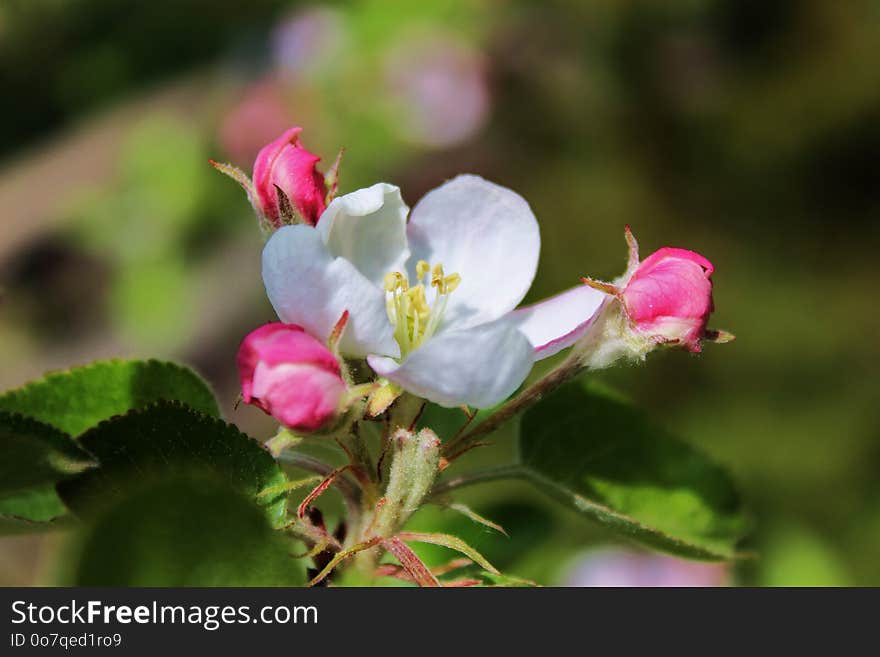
(430, 300)
(285, 165)
(291, 376)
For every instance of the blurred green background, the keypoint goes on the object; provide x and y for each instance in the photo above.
(747, 130)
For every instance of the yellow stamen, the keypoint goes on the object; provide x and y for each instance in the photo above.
(414, 318)
(437, 276)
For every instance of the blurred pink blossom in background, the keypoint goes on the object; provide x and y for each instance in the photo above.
(258, 118)
(308, 41)
(441, 88)
(619, 567)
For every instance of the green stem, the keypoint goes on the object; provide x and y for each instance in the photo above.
(512, 471)
(569, 368)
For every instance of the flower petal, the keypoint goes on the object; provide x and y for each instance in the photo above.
(266, 195)
(368, 228)
(488, 235)
(310, 287)
(559, 321)
(479, 366)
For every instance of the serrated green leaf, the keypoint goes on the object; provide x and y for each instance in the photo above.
(77, 399)
(604, 459)
(169, 437)
(192, 530)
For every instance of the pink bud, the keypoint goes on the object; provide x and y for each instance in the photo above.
(286, 164)
(669, 296)
(291, 376)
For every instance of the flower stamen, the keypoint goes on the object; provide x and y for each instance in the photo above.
(414, 317)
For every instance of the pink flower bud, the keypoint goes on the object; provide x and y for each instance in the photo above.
(669, 296)
(285, 164)
(291, 376)
(666, 299)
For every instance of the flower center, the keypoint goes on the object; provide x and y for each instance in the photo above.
(415, 319)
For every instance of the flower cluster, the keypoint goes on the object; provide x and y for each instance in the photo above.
(433, 295)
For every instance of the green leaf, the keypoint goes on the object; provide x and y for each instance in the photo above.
(604, 459)
(468, 512)
(79, 398)
(190, 530)
(168, 436)
(451, 542)
(33, 510)
(36, 454)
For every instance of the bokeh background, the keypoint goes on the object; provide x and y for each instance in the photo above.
(748, 130)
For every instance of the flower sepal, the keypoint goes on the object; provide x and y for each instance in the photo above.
(331, 178)
(282, 440)
(385, 394)
(247, 185)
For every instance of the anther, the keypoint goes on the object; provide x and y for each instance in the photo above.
(451, 282)
(413, 317)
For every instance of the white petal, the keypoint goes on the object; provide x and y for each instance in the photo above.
(310, 287)
(479, 366)
(557, 322)
(488, 235)
(368, 228)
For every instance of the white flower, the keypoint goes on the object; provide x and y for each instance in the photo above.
(430, 301)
